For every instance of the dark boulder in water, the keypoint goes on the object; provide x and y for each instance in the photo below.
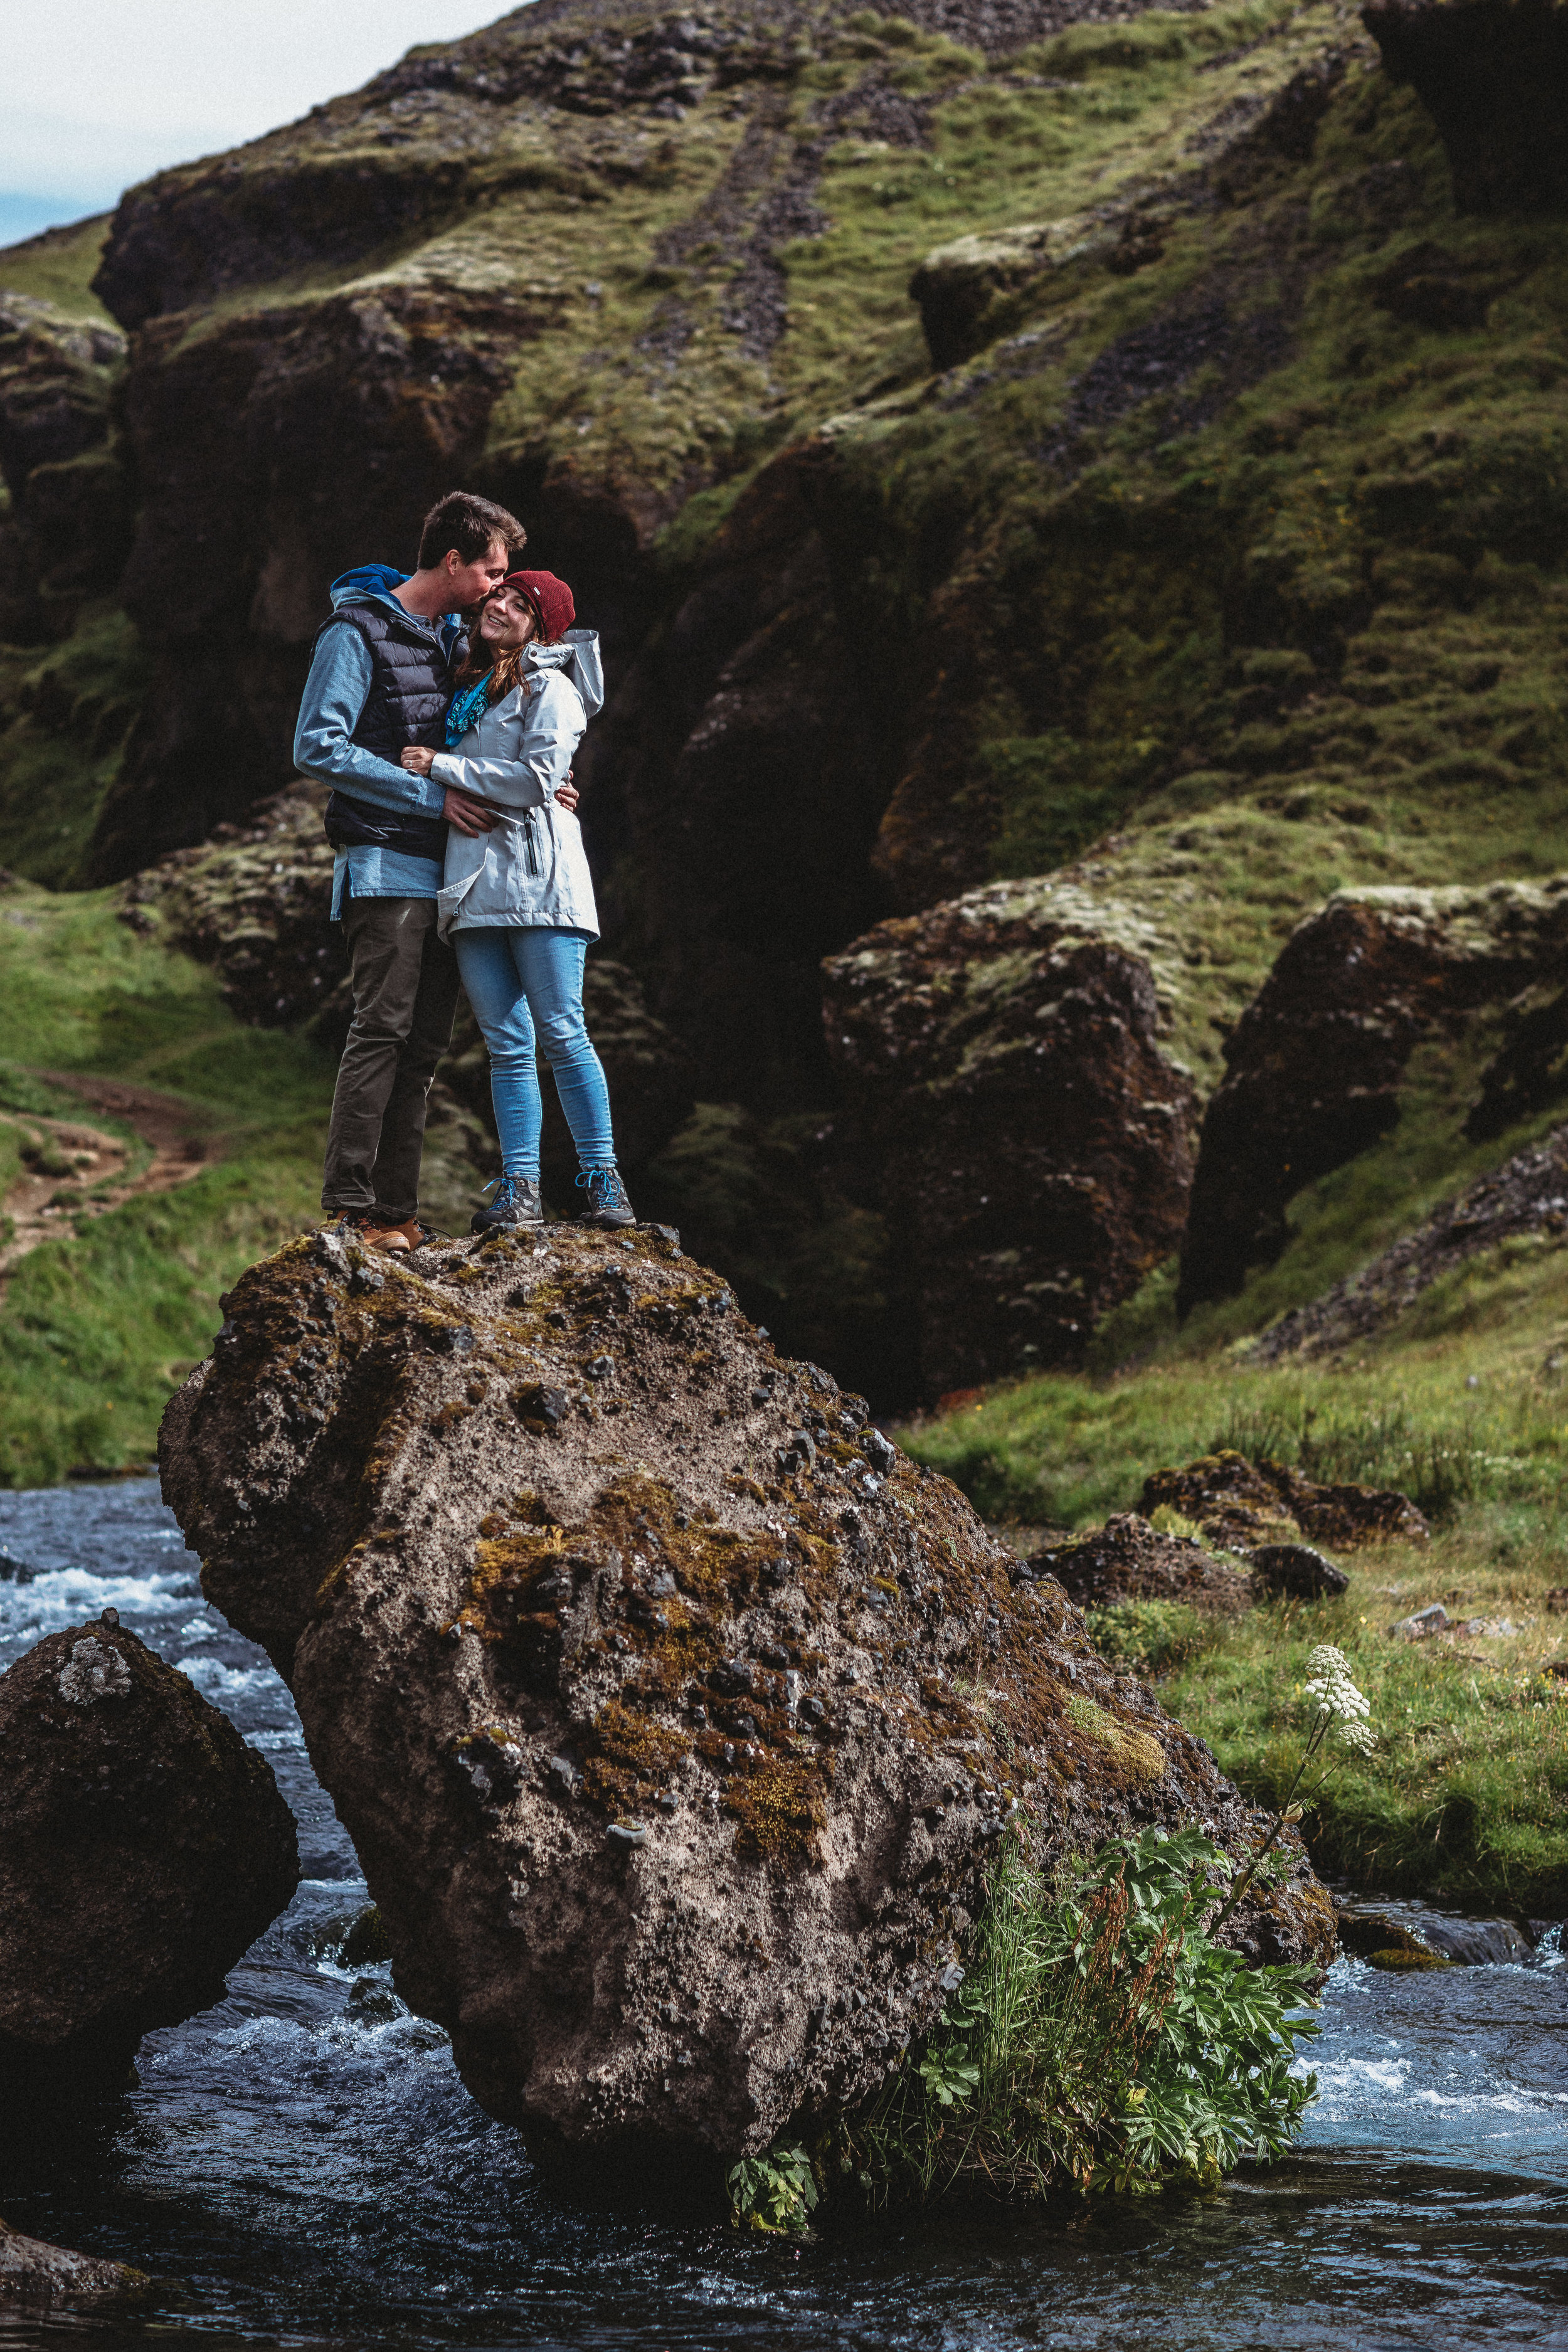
(143, 1847)
(675, 1725)
(32, 2272)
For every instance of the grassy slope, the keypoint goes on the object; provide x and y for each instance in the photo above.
(1463, 1404)
(58, 268)
(95, 1331)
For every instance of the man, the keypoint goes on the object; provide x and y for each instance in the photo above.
(381, 678)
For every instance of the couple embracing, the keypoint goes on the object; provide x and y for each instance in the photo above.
(459, 862)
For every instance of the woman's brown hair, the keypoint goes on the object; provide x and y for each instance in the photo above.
(507, 667)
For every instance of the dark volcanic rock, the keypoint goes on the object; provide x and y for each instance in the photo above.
(1314, 1067)
(1528, 1195)
(142, 1849)
(1297, 1570)
(69, 530)
(1494, 75)
(1011, 1106)
(33, 2272)
(1242, 1504)
(1127, 1559)
(644, 1679)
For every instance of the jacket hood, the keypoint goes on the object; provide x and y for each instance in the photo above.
(577, 652)
(372, 584)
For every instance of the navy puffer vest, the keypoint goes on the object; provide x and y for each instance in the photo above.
(410, 686)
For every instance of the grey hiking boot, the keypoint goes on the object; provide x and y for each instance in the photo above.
(607, 1203)
(516, 1202)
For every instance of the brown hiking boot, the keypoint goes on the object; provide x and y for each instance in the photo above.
(376, 1235)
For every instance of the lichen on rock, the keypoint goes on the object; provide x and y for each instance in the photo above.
(674, 1713)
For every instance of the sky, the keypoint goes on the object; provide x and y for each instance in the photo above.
(95, 94)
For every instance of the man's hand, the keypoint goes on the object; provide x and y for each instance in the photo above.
(465, 815)
(417, 758)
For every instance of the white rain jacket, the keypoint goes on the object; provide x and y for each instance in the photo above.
(532, 870)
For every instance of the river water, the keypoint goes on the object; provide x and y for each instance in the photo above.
(301, 2166)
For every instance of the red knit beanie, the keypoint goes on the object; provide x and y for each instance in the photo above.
(550, 599)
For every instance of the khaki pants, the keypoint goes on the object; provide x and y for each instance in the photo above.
(405, 984)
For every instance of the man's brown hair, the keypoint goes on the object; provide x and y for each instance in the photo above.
(471, 525)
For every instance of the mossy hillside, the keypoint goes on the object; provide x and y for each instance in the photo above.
(646, 366)
(1275, 634)
(65, 713)
(96, 1329)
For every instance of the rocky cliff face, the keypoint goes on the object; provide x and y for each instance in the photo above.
(142, 1849)
(673, 1713)
(68, 529)
(1029, 1135)
(1495, 76)
(1313, 1070)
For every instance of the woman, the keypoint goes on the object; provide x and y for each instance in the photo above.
(518, 902)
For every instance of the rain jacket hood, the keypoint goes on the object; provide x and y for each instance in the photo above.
(372, 584)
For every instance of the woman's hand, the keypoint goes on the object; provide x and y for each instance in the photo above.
(566, 793)
(417, 758)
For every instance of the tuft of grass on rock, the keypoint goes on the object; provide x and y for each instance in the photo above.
(1099, 2041)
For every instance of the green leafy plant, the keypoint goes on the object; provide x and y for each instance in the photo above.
(775, 2191)
(1101, 2040)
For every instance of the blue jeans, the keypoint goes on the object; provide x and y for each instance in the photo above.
(522, 982)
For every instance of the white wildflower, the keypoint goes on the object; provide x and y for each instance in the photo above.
(1338, 1698)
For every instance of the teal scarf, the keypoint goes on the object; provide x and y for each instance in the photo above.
(468, 709)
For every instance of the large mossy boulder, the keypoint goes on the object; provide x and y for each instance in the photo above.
(1494, 74)
(1013, 1108)
(1316, 1066)
(675, 1716)
(143, 1847)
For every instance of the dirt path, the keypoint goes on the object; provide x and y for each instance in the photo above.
(72, 1171)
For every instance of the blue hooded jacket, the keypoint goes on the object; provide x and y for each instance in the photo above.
(335, 694)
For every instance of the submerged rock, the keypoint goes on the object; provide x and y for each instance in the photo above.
(1403, 1935)
(1015, 1111)
(1127, 1559)
(32, 2271)
(143, 1847)
(1241, 1504)
(674, 1713)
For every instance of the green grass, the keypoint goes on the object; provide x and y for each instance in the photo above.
(58, 267)
(97, 1329)
(65, 714)
(1463, 1404)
